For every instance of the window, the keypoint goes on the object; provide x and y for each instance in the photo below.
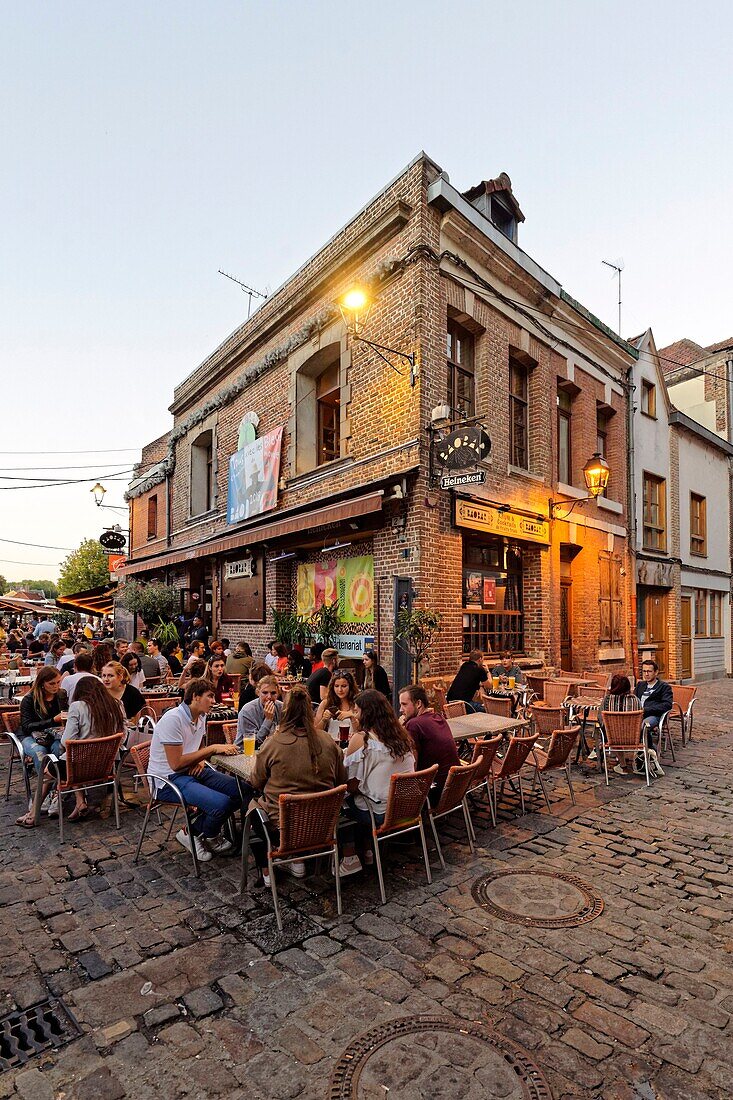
(328, 401)
(461, 380)
(654, 534)
(202, 473)
(564, 458)
(698, 525)
(610, 603)
(701, 604)
(518, 415)
(603, 420)
(153, 516)
(648, 398)
(493, 613)
(716, 615)
(503, 218)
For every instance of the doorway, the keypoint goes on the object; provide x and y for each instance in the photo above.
(566, 625)
(652, 624)
(686, 637)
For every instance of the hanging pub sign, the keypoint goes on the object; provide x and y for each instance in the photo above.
(455, 481)
(463, 447)
(112, 540)
(245, 567)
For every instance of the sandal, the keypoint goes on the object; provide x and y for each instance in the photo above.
(27, 821)
(78, 813)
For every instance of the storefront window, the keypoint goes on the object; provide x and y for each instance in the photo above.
(493, 609)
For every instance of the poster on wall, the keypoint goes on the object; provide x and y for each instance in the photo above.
(254, 472)
(350, 580)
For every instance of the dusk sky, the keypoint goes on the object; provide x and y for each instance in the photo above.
(145, 146)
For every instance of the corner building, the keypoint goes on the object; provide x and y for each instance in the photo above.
(303, 462)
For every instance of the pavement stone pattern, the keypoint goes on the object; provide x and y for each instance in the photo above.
(184, 989)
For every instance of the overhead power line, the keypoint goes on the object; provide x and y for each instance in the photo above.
(37, 545)
(101, 451)
(32, 564)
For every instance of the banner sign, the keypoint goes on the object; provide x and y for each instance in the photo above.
(254, 472)
(349, 580)
(455, 481)
(353, 645)
(484, 517)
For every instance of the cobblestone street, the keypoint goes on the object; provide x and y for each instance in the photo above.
(183, 990)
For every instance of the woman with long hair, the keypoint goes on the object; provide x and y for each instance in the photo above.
(131, 661)
(281, 653)
(117, 682)
(103, 654)
(42, 713)
(619, 697)
(297, 758)
(380, 749)
(222, 681)
(337, 708)
(94, 713)
(374, 675)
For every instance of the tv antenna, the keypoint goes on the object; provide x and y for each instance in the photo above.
(618, 267)
(249, 290)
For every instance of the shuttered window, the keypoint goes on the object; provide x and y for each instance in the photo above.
(610, 603)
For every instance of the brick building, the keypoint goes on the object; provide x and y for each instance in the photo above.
(299, 462)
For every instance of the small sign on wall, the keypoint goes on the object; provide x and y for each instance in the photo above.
(243, 568)
(353, 645)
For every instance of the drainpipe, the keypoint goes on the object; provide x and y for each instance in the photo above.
(167, 510)
(631, 515)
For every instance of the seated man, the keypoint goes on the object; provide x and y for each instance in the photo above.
(508, 667)
(261, 715)
(468, 680)
(176, 755)
(655, 696)
(431, 735)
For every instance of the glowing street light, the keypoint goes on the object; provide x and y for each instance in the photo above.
(355, 306)
(99, 491)
(596, 473)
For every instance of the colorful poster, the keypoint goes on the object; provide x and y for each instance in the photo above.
(489, 591)
(254, 472)
(350, 580)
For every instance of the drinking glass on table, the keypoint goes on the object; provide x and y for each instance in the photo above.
(248, 744)
(495, 683)
(512, 683)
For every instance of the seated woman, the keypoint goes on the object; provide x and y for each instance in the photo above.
(132, 663)
(281, 653)
(299, 667)
(194, 670)
(337, 708)
(170, 652)
(42, 713)
(380, 750)
(116, 681)
(296, 759)
(247, 693)
(176, 755)
(374, 675)
(94, 713)
(619, 697)
(222, 681)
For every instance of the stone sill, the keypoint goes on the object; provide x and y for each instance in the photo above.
(517, 471)
(312, 477)
(612, 653)
(610, 505)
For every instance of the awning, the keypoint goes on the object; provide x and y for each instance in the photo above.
(94, 601)
(292, 525)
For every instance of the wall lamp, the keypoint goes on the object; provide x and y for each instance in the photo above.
(596, 473)
(99, 491)
(355, 306)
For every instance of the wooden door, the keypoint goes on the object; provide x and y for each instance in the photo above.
(686, 636)
(566, 625)
(656, 627)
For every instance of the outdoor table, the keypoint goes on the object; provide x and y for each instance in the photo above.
(481, 724)
(585, 704)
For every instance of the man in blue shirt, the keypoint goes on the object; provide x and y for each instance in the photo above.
(46, 626)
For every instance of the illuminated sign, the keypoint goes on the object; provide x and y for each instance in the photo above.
(512, 525)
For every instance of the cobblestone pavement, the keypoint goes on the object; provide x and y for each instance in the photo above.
(183, 990)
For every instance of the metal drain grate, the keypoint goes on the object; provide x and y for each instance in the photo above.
(538, 899)
(44, 1026)
(345, 1078)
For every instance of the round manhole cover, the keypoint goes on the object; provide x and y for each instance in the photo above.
(542, 899)
(428, 1056)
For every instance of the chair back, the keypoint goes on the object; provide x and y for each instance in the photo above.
(91, 760)
(408, 792)
(454, 710)
(140, 755)
(230, 732)
(536, 685)
(629, 702)
(516, 756)
(461, 779)
(308, 821)
(236, 678)
(683, 695)
(561, 745)
(556, 692)
(152, 681)
(484, 752)
(494, 705)
(623, 728)
(601, 679)
(546, 719)
(11, 720)
(159, 704)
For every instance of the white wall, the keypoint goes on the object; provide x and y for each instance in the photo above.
(689, 398)
(704, 470)
(708, 658)
(651, 442)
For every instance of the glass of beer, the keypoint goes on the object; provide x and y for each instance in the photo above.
(248, 744)
(344, 733)
(495, 683)
(512, 682)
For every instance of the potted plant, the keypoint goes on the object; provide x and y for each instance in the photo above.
(417, 631)
(153, 601)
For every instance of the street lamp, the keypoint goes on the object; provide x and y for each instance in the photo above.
(99, 491)
(596, 473)
(355, 305)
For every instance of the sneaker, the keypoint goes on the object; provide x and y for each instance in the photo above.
(592, 755)
(46, 802)
(296, 869)
(620, 770)
(369, 858)
(349, 865)
(218, 845)
(265, 878)
(52, 809)
(202, 851)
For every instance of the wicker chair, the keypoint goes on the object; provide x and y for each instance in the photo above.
(308, 824)
(546, 719)
(454, 710)
(556, 692)
(681, 711)
(11, 723)
(536, 686)
(556, 756)
(90, 764)
(622, 736)
(494, 705)
(511, 764)
(140, 754)
(408, 793)
(485, 751)
(159, 704)
(229, 729)
(601, 679)
(153, 681)
(460, 780)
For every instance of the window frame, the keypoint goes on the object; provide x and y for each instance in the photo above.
(660, 544)
(610, 600)
(152, 513)
(564, 428)
(328, 405)
(457, 369)
(518, 411)
(701, 613)
(648, 399)
(698, 529)
(202, 467)
(715, 615)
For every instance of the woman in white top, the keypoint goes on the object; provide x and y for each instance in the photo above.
(134, 667)
(94, 713)
(337, 709)
(381, 749)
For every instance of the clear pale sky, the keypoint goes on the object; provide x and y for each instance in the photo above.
(143, 146)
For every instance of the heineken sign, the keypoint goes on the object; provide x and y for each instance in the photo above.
(455, 481)
(463, 447)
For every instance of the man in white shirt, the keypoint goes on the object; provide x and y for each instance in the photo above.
(176, 755)
(154, 652)
(271, 658)
(83, 665)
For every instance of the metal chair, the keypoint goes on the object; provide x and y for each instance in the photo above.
(11, 722)
(308, 824)
(459, 781)
(485, 751)
(546, 719)
(141, 756)
(90, 764)
(408, 793)
(622, 735)
(511, 764)
(681, 711)
(536, 685)
(454, 710)
(556, 756)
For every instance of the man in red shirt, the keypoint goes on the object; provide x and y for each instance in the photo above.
(431, 734)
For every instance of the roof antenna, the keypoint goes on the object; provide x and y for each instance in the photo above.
(618, 268)
(247, 290)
